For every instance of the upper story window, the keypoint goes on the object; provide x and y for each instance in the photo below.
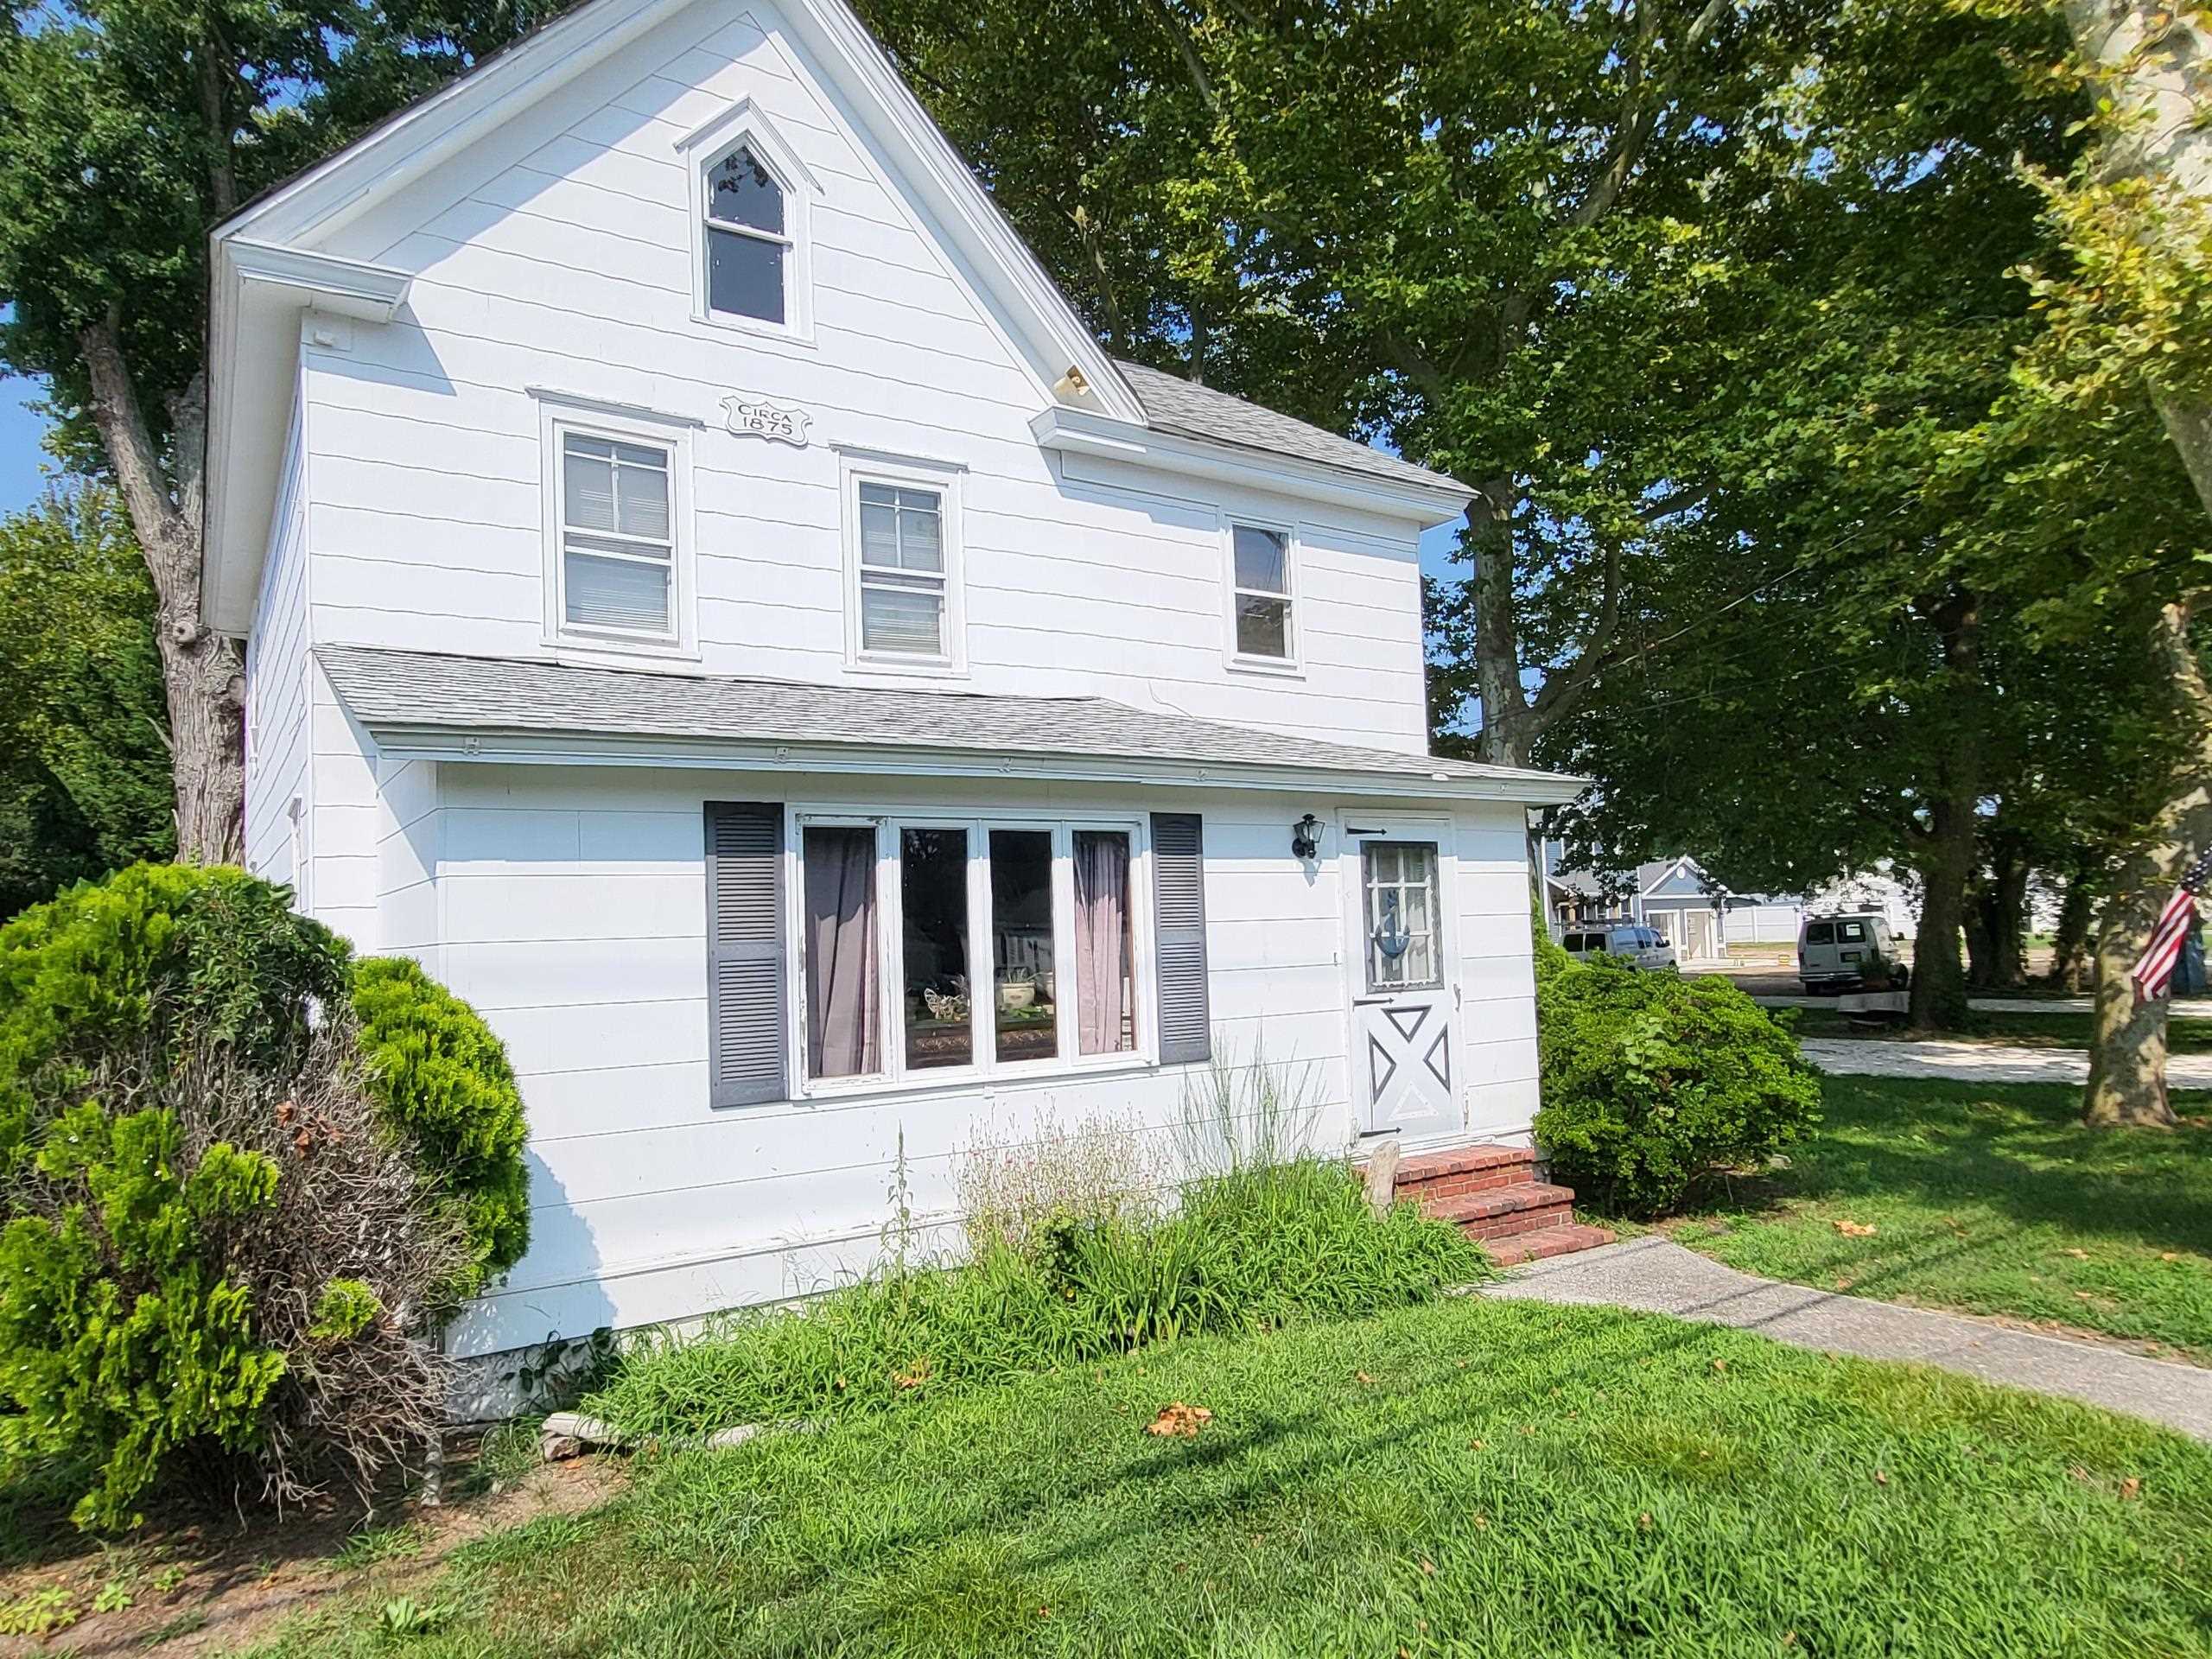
(750, 194)
(617, 537)
(903, 566)
(747, 248)
(1261, 603)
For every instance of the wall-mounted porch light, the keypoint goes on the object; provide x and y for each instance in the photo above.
(1306, 838)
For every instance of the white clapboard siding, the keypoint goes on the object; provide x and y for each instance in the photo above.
(278, 724)
(556, 254)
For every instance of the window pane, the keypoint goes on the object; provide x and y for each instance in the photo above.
(745, 275)
(1262, 626)
(1026, 1019)
(1105, 982)
(616, 593)
(933, 895)
(1262, 560)
(740, 191)
(879, 531)
(921, 544)
(840, 951)
(907, 621)
(902, 530)
(587, 483)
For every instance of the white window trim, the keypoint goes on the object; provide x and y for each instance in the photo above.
(984, 1065)
(1292, 665)
(854, 469)
(744, 123)
(558, 414)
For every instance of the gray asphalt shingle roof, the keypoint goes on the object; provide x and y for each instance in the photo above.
(1174, 404)
(413, 689)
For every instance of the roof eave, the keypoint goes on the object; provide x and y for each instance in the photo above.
(1083, 432)
(513, 745)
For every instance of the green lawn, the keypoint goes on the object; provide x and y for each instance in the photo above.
(1467, 1478)
(1989, 1198)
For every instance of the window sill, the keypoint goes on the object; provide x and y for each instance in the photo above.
(593, 649)
(789, 333)
(969, 1079)
(1274, 667)
(921, 666)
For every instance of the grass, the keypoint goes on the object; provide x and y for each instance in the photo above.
(2056, 1029)
(1250, 1249)
(1990, 1198)
(1462, 1478)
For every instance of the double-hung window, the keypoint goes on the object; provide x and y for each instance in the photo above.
(617, 492)
(748, 248)
(903, 537)
(751, 196)
(1260, 599)
(932, 945)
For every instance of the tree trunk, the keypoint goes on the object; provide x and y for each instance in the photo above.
(201, 672)
(1497, 645)
(1947, 857)
(2069, 948)
(2004, 901)
(2127, 1058)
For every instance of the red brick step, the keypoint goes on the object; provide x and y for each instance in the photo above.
(1546, 1242)
(1493, 1194)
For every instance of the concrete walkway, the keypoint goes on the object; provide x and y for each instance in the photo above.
(1657, 1275)
(1969, 1062)
(2195, 1009)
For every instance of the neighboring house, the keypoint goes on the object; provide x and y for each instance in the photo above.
(709, 598)
(1698, 917)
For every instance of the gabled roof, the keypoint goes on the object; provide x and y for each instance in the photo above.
(394, 693)
(277, 255)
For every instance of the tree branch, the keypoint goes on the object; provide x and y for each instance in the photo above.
(1643, 113)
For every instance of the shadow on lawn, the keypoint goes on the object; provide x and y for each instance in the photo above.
(2016, 1148)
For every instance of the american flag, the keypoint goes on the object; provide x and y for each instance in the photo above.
(2153, 974)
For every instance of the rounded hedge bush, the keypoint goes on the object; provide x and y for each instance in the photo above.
(242, 1178)
(443, 1081)
(1654, 1085)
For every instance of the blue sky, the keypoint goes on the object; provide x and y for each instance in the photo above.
(21, 460)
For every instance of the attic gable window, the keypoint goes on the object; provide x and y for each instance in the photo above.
(747, 248)
(750, 198)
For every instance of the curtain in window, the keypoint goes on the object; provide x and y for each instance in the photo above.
(1105, 993)
(841, 958)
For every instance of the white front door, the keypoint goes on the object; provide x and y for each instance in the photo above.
(1403, 1057)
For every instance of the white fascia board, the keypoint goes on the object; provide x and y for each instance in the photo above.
(1079, 432)
(391, 157)
(258, 290)
(975, 222)
(555, 748)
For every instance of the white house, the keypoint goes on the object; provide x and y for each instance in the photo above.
(708, 598)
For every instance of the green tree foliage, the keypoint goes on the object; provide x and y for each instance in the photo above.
(231, 1210)
(443, 1083)
(84, 767)
(1654, 1085)
(128, 130)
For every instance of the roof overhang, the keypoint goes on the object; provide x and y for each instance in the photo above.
(259, 290)
(1089, 434)
(538, 748)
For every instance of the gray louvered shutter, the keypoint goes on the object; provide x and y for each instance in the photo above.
(1178, 903)
(745, 951)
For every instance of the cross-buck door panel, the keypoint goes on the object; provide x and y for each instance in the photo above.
(1403, 1009)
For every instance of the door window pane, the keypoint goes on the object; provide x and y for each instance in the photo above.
(933, 890)
(1026, 1019)
(1105, 986)
(1402, 932)
(839, 948)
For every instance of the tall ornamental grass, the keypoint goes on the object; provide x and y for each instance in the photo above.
(1251, 1245)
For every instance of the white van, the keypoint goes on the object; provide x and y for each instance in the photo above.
(1639, 947)
(1839, 953)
